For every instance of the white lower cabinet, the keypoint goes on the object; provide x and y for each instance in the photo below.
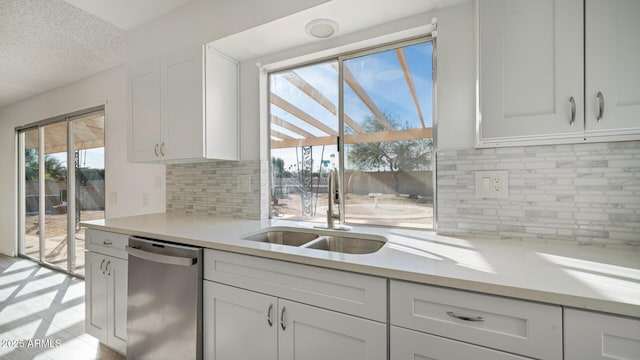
(238, 324)
(514, 326)
(589, 335)
(106, 299)
(243, 324)
(267, 309)
(311, 333)
(413, 345)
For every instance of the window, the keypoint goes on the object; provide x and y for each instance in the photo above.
(379, 104)
(54, 195)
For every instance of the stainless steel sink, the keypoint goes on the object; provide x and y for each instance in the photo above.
(347, 245)
(283, 237)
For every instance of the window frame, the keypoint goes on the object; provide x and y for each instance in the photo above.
(339, 58)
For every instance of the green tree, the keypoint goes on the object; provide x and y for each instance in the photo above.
(394, 156)
(31, 167)
(54, 169)
(277, 166)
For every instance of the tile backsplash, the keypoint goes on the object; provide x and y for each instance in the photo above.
(584, 193)
(580, 193)
(211, 188)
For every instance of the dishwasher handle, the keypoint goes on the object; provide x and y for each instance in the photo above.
(159, 258)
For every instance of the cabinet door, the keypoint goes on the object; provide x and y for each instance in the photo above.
(95, 296)
(311, 333)
(221, 105)
(183, 109)
(116, 271)
(413, 345)
(238, 324)
(530, 57)
(612, 58)
(144, 112)
(589, 335)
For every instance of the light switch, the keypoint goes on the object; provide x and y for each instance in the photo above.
(244, 184)
(113, 198)
(486, 184)
(492, 184)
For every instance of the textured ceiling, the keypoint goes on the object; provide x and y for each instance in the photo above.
(45, 44)
(127, 14)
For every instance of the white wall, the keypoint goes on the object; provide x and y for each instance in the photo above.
(128, 181)
(202, 21)
(455, 75)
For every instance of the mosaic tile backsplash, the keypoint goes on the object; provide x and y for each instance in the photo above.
(210, 188)
(584, 193)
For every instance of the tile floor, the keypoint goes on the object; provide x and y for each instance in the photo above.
(42, 315)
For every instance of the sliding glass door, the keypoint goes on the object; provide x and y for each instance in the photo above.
(61, 183)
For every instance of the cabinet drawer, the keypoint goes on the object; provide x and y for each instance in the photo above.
(107, 243)
(355, 294)
(516, 326)
(409, 344)
(590, 335)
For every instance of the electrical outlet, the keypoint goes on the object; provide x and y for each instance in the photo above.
(113, 198)
(492, 184)
(244, 184)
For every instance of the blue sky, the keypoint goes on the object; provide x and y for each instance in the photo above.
(90, 158)
(382, 78)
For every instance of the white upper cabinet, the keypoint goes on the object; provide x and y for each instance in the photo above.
(612, 66)
(144, 134)
(530, 67)
(532, 75)
(184, 107)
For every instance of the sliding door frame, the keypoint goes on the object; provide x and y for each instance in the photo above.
(71, 187)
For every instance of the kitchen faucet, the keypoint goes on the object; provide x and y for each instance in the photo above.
(333, 195)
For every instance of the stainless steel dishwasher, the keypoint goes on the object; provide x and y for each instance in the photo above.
(164, 301)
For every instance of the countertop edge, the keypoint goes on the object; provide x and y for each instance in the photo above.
(521, 293)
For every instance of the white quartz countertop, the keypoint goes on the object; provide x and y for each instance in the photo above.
(588, 277)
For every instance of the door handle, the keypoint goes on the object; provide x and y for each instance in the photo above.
(572, 106)
(107, 268)
(600, 106)
(465, 318)
(159, 258)
(101, 265)
(162, 149)
(282, 325)
(269, 315)
(156, 150)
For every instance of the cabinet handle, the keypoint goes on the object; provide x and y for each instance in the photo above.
(282, 325)
(107, 242)
(101, 265)
(600, 106)
(156, 150)
(572, 104)
(107, 268)
(162, 149)
(465, 318)
(269, 315)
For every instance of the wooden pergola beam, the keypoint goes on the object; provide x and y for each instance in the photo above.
(316, 95)
(281, 135)
(407, 75)
(292, 109)
(289, 126)
(362, 94)
(398, 135)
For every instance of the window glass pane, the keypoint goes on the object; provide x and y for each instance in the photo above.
(88, 142)
(304, 130)
(30, 206)
(55, 164)
(388, 146)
